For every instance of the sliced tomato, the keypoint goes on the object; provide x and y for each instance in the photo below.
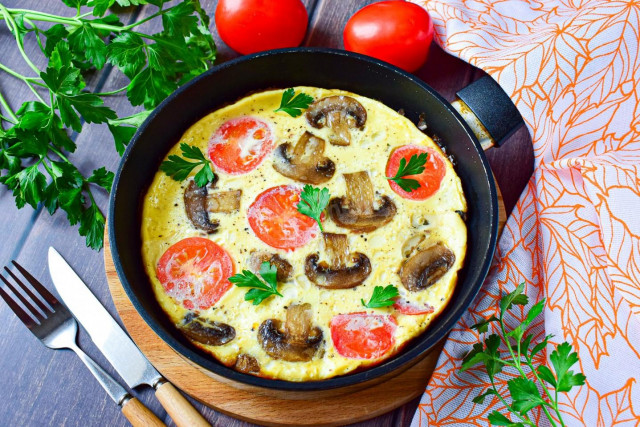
(240, 145)
(430, 179)
(363, 336)
(404, 306)
(275, 219)
(195, 272)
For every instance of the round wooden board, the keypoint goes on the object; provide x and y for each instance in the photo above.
(262, 408)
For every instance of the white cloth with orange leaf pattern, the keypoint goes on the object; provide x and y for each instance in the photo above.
(573, 69)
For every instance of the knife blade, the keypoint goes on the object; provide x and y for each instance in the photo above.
(115, 344)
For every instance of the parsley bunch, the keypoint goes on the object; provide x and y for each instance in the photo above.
(35, 141)
(524, 389)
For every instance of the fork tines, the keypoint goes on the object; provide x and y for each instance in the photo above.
(31, 313)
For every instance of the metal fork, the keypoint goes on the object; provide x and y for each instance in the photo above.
(56, 328)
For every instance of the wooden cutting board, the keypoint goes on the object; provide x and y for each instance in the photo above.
(262, 408)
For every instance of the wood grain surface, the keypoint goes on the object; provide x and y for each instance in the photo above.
(45, 387)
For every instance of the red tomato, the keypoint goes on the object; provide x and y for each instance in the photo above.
(240, 145)
(194, 271)
(274, 217)
(406, 307)
(363, 336)
(429, 179)
(394, 31)
(250, 26)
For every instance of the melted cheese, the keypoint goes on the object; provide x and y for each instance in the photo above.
(164, 222)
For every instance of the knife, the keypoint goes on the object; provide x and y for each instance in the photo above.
(115, 344)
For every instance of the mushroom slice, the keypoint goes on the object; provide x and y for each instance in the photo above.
(338, 274)
(247, 364)
(224, 201)
(356, 211)
(297, 341)
(282, 265)
(206, 331)
(305, 161)
(340, 114)
(426, 267)
(195, 204)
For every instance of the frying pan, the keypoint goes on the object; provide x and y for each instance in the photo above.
(495, 116)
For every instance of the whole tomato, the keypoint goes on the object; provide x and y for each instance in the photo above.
(249, 26)
(394, 31)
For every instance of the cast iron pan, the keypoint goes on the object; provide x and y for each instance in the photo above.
(324, 68)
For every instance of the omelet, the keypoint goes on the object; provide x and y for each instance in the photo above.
(319, 308)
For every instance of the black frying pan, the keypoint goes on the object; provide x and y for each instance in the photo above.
(331, 69)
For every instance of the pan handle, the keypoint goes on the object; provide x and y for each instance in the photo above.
(489, 112)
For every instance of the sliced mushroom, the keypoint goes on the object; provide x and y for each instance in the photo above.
(305, 161)
(344, 270)
(426, 267)
(247, 364)
(224, 201)
(356, 210)
(282, 265)
(195, 204)
(206, 331)
(297, 341)
(340, 114)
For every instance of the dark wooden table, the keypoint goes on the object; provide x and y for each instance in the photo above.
(45, 387)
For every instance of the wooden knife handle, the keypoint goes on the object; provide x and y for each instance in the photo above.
(139, 415)
(178, 407)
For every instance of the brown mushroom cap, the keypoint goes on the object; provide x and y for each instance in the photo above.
(298, 341)
(355, 210)
(346, 270)
(284, 269)
(339, 113)
(247, 364)
(426, 267)
(206, 331)
(195, 204)
(305, 161)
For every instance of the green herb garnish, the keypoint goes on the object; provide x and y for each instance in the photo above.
(382, 297)
(293, 105)
(524, 391)
(313, 201)
(262, 289)
(179, 169)
(414, 167)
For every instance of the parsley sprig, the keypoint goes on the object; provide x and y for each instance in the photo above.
(313, 202)
(179, 169)
(37, 139)
(525, 394)
(293, 105)
(414, 167)
(262, 289)
(381, 297)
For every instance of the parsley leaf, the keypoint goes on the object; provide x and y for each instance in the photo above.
(261, 289)
(562, 359)
(85, 38)
(293, 105)
(312, 202)
(381, 297)
(126, 52)
(179, 20)
(414, 167)
(179, 169)
(102, 177)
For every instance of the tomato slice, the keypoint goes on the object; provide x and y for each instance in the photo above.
(363, 336)
(430, 179)
(240, 145)
(404, 306)
(195, 272)
(275, 219)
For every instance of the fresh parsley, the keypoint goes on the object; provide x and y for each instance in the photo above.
(381, 297)
(37, 139)
(414, 167)
(525, 392)
(179, 169)
(313, 201)
(293, 105)
(262, 289)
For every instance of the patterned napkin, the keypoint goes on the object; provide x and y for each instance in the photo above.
(573, 69)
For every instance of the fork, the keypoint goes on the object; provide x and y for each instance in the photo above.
(56, 328)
